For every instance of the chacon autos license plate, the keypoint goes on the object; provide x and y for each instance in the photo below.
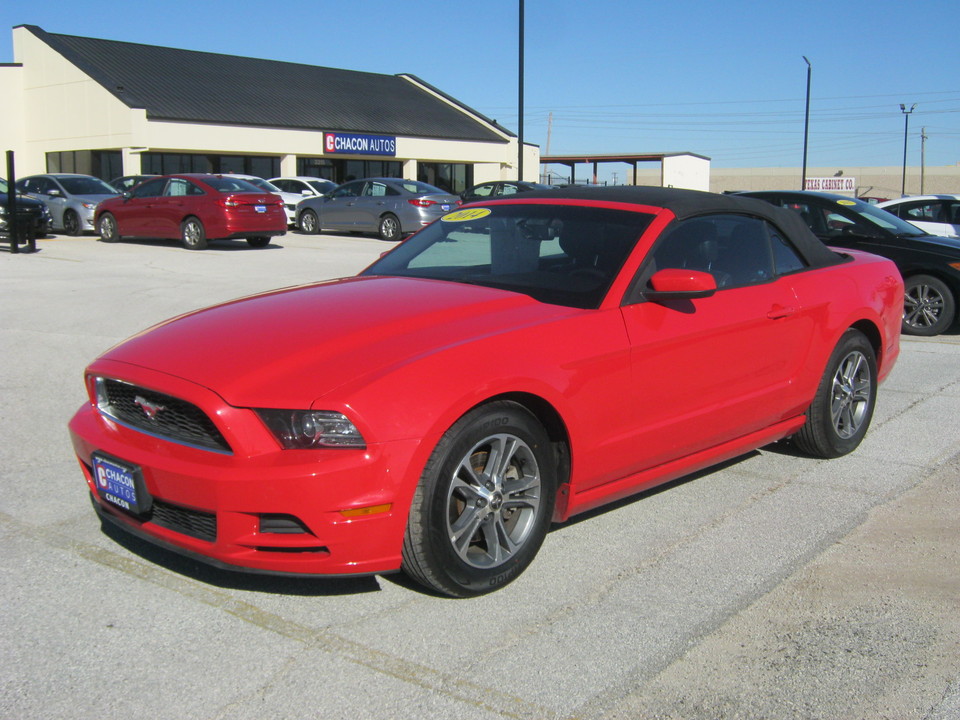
(120, 484)
(260, 208)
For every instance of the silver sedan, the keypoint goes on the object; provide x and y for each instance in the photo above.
(389, 207)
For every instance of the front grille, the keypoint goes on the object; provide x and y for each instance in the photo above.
(182, 520)
(160, 414)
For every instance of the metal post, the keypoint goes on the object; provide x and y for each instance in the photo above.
(12, 225)
(520, 103)
(806, 126)
(906, 125)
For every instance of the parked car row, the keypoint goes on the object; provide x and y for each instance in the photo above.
(196, 208)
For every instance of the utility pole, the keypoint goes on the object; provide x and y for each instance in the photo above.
(923, 157)
(520, 103)
(806, 125)
(906, 127)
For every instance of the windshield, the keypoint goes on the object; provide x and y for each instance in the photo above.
(263, 184)
(557, 254)
(886, 220)
(85, 186)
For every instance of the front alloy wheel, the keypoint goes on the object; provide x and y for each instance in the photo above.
(928, 306)
(484, 504)
(389, 228)
(309, 222)
(107, 226)
(71, 223)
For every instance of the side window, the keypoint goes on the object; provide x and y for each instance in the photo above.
(177, 187)
(735, 249)
(786, 259)
(928, 211)
(150, 188)
(953, 213)
(375, 189)
(45, 185)
(509, 189)
(348, 190)
(483, 190)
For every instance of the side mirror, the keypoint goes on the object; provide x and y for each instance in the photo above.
(54, 192)
(678, 284)
(307, 193)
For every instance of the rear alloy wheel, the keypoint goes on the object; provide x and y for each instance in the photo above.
(192, 234)
(842, 409)
(71, 223)
(258, 242)
(309, 223)
(928, 306)
(389, 228)
(107, 227)
(484, 503)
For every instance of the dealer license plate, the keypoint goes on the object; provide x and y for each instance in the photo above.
(119, 484)
(260, 208)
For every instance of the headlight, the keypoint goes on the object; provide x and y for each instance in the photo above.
(306, 429)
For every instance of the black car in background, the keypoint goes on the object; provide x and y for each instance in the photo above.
(930, 264)
(33, 214)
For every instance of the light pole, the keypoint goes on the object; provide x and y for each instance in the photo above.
(520, 102)
(906, 125)
(806, 126)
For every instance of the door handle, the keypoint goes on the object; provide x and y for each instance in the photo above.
(780, 311)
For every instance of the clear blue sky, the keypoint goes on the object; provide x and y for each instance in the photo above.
(722, 79)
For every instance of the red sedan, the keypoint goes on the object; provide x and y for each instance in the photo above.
(193, 208)
(510, 365)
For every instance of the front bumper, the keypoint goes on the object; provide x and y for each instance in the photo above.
(282, 511)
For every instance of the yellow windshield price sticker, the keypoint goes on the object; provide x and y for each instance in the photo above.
(465, 215)
(845, 202)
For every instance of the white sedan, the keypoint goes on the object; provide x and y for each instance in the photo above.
(935, 214)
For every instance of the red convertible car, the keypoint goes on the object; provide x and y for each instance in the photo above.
(510, 365)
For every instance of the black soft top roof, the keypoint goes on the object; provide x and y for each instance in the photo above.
(692, 203)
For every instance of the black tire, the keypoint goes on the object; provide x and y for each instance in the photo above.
(309, 222)
(842, 409)
(192, 234)
(71, 223)
(389, 228)
(107, 227)
(258, 242)
(928, 306)
(475, 525)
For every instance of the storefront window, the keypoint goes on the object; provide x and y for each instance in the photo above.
(104, 164)
(263, 166)
(452, 177)
(341, 171)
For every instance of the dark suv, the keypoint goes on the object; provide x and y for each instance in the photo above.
(930, 265)
(33, 215)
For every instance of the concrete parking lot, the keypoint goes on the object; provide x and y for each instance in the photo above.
(775, 586)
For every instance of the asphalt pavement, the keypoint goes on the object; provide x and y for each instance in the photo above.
(774, 586)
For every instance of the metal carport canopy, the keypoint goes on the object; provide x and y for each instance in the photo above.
(630, 158)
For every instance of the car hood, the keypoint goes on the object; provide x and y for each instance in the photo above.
(288, 348)
(93, 199)
(936, 240)
(22, 200)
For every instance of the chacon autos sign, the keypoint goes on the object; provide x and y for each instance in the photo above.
(832, 184)
(353, 144)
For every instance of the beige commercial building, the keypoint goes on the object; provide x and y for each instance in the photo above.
(109, 108)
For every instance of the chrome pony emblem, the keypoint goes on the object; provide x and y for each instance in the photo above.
(149, 409)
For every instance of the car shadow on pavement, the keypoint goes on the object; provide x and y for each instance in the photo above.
(221, 245)
(238, 580)
(644, 494)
